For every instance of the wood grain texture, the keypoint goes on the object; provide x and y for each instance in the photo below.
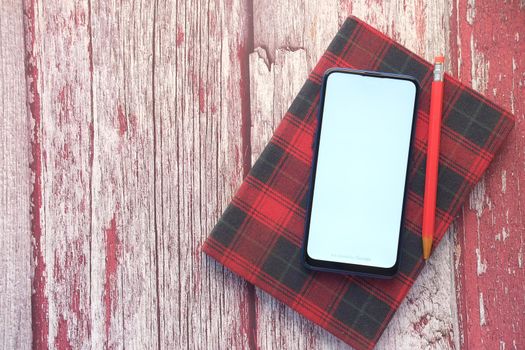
(124, 299)
(15, 184)
(138, 149)
(488, 46)
(427, 318)
(59, 83)
(309, 25)
(200, 83)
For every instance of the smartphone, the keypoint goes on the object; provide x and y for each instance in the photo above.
(359, 172)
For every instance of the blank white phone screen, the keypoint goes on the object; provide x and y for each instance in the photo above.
(361, 169)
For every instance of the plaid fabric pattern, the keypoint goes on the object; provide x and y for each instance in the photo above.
(260, 234)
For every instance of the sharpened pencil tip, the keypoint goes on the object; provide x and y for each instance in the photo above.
(427, 247)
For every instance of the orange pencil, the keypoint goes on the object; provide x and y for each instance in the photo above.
(431, 177)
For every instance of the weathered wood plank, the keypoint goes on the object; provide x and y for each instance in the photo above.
(124, 283)
(487, 48)
(57, 40)
(427, 317)
(273, 86)
(138, 149)
(15, 184)
(309, 25)
(200, 84)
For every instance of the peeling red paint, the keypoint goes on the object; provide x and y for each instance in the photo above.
(248, 325)
(83, 205)
(421, 323)
(202, 105)
(180, 36)
(122, 121)
(421, 23)
(452, 38)
(488, 273)
(112, 247)
(91, 144)
(75, 301)
(39, 302)
(64, 98)
(76, 291)
(132, 122)
(61, 339)
(78, 17)
(243, 51)
(346, 7)
(63, 95)
(90, 53)
(57, 273)
(66, 151)
(244, 92)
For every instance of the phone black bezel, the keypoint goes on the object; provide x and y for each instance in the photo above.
(354, 269)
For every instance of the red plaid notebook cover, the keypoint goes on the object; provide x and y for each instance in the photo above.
(260, 234)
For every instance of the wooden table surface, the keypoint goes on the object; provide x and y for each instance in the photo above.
(126, 128)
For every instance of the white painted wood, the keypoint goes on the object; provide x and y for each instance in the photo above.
(139, 120)
(309, 25)
(273, 86)
(420, 322)
(15, 184)
(489, 46)
(200, 82)
(58, 49)
(142, 146)
(124, 260)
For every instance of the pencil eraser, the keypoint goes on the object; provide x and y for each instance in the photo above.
(439, 59)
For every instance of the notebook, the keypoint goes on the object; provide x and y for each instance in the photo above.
(260, 234)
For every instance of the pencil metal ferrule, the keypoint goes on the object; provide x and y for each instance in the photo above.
(438, 72)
